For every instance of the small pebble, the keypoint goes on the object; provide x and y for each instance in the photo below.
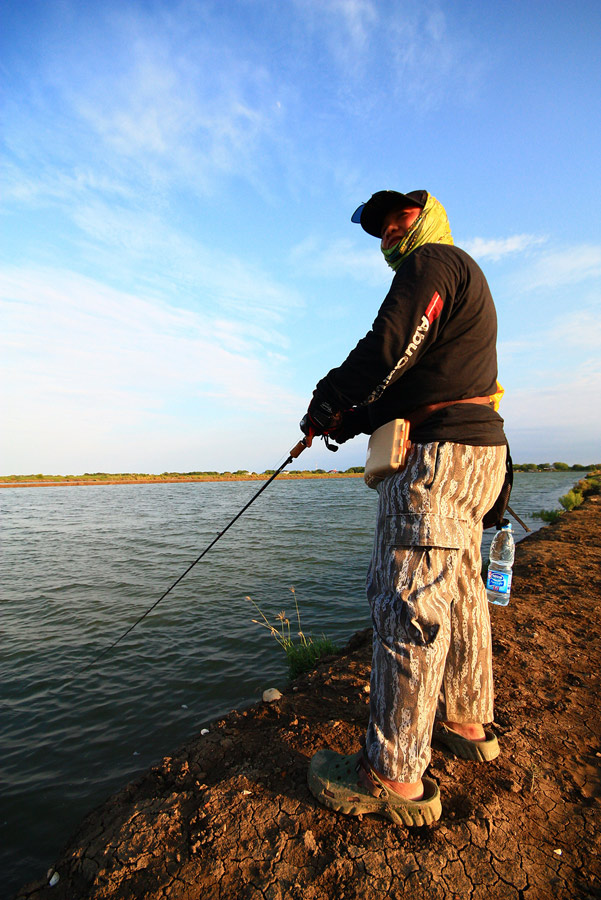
(184, 706)
(558, 852)
(204, 731)
(54, 879)
(271, 695)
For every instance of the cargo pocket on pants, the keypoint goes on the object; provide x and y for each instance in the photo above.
(420, 581)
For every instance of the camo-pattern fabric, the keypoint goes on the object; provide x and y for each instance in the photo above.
(431, 628)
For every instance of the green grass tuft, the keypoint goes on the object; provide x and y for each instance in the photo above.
(548, 515)
(301, 654)
(572, 499)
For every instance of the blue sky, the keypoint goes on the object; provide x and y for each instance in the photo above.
(178, 267)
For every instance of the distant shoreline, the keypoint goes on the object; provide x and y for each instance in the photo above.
(184, 479)
(108, 479)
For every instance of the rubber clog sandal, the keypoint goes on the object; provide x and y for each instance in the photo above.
(464, 748)
(334, 781)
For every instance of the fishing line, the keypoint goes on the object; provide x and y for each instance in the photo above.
(293, 454)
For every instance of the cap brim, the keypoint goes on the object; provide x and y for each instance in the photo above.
(356, 217)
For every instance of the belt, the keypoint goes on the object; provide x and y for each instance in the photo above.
(419, 415)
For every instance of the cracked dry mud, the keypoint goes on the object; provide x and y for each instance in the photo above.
(230, 816)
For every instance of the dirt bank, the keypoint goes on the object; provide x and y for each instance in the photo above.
(229, 815)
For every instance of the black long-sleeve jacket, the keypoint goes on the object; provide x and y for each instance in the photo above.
(433, 340)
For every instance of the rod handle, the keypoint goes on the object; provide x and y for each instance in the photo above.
(302, 445)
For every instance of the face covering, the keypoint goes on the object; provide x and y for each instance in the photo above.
(430, 227)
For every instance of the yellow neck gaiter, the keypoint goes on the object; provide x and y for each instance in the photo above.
(430, 227)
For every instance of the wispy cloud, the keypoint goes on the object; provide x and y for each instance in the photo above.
(160, 260)
(394, 44)
(346, 24)
(546, 352)
(82, 339)
(558, 412)
(187, 104)
(327, 260)
(570, 265)
(173, 106)
(111, 380)
(420, 35)
(497, 248)
(202, 124)
(580, 331)
(551, 376)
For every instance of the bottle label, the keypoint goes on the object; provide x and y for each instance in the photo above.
(499, 582)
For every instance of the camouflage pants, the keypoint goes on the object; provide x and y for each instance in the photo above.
(431, 628)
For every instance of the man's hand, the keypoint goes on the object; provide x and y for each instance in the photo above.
(320, 418)
(347, 427)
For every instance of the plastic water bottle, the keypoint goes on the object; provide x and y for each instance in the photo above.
(502, 554)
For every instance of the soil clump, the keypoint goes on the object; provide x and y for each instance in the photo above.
(230, 816)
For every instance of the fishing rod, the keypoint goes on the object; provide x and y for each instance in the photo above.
(293, 454)
(517, 518)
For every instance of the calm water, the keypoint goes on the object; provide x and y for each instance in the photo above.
(80, 564)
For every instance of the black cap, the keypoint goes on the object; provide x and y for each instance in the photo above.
(371, 215)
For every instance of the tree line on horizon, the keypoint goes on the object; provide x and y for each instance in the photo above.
(242, 473)
(555, 467)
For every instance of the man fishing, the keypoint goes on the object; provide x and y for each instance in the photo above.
(429, 358)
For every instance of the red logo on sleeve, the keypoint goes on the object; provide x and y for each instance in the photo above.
(434, 308)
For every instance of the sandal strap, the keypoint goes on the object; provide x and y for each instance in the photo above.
(380, 791)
